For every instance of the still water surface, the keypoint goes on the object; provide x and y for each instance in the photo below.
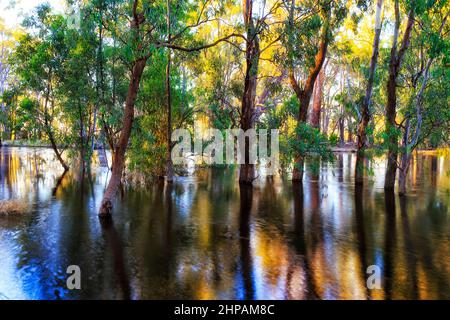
(205, 238)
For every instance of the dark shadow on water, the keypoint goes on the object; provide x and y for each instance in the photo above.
(389, 242)
(299, 240)
(361, 234)
(58, 182)
(115, 246)
(168, 233)
(409, 248)
(246, 200)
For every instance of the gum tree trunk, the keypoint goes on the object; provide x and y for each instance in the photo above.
(403, 173)
(169, 103)
(119, 155)
(317, 100)
(128, 116)
(365, 108)
(341, 131)
(247, 170)
(127, 121)
(391, 107)
(304, 94)
(410, 143)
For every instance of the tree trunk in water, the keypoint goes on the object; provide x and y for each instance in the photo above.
(169, 121)
(119, 156)
(403, 173)
(391, 107)
(408, 146)
(169, 102)
(247, 170)
(365, 108)
(304, 94)
(391, 167)
(297, 172)
(391, 112)
(55, 149)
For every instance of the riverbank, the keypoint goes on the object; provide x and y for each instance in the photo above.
(348, 147)
(25, 143)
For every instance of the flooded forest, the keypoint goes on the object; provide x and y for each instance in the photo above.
(223, 149)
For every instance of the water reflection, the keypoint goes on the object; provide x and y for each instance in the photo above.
(114, 242)
(300, 245)
(246, 263)
(204, 237)
(361, 235)
(389, 243)
(411, 264)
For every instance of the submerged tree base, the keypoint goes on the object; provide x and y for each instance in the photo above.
(247, 174)
(105, 211)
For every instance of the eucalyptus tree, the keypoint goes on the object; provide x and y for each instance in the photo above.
(425, 111)
(10, 114)
(256, 25)
(38, 60)
(252, 54)
(309, 31)
(365, 110)
(77, 89)
(111, 69)
(145, 33)
(6, 44)
(395, 63)
(317, 96)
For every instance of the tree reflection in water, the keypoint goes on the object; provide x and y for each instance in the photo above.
(206, 237)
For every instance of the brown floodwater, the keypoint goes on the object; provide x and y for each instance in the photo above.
(204, 237)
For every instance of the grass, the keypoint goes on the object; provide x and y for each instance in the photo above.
(12, 207)
(25, 143)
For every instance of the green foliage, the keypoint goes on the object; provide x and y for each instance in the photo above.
(64, 78)
(302, 35)
(148, 149)
(388, 140)
(308, 140)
